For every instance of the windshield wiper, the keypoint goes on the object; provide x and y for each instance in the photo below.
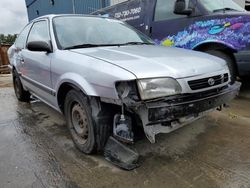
(88, 46)
(225, 9)
(100, 45)
(137, 43)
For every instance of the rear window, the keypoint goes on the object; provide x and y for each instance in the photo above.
(21, 39)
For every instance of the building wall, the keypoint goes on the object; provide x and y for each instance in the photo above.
(88, 6)
(113, 2)
(36, 8)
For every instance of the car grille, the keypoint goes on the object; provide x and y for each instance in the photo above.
(208, 82)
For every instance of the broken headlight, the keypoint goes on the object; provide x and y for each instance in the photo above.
(158, 87)
(127, 89)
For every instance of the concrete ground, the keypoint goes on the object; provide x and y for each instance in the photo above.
(36, 151)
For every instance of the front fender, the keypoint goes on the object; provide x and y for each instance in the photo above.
(78, 81)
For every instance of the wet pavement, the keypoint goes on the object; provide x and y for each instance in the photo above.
(36, 151)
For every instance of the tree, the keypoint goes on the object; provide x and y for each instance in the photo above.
(7, 39)
(2, 38)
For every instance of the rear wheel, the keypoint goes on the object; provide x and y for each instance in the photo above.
(229, 60)
(21, 94)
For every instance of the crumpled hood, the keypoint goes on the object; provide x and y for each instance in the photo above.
(156, 61)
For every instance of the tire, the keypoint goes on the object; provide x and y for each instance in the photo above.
(87, 135)
(245, 79)
(21, 94)
(229, 60)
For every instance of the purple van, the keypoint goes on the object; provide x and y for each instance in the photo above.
(217, 27)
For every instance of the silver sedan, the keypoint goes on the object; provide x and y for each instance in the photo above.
(108, 79)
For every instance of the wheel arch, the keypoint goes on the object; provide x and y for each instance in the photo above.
(220, 46)
(72, 81)
(216, 46)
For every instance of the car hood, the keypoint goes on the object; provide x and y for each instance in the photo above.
(156, 61)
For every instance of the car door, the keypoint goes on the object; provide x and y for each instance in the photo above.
(37, 65)
(16, 57)
(166, 23)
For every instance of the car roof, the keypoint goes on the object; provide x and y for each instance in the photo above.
(51, 16)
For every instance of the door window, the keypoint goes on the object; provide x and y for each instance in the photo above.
(164, 10)
(218, 5)
(21, 39)
(39, 32)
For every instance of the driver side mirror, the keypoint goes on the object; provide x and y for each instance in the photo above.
(180, 8)
(39, 46)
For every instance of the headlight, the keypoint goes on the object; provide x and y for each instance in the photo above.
(127, 89)
(158, 87)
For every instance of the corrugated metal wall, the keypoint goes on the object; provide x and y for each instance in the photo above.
(113, 2)
(88, 6)
(38, 8)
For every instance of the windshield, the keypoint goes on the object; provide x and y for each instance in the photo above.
(223, 5)
(77, 32)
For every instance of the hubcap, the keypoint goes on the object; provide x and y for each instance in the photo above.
(80, 122)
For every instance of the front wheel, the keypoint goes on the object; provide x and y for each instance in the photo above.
(230, 62)
(79, 121)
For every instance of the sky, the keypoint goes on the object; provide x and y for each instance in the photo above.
(13, 16)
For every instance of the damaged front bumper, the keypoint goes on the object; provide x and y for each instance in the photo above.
(169, 114)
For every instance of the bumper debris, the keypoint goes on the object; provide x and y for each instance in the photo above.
(121, 155)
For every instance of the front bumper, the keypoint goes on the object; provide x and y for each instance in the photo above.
(243, 62)
(169, 114)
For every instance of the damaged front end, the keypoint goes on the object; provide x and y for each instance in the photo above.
(158, 115)
(166, 114)
(169, 114)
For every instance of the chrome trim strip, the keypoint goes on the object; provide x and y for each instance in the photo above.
(40, 86)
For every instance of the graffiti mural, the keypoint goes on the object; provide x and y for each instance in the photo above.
(234, 32)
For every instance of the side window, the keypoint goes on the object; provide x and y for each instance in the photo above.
(164, 10)
(39, 32)
(21, 39)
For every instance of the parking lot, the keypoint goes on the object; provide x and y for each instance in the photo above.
(36, 150)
